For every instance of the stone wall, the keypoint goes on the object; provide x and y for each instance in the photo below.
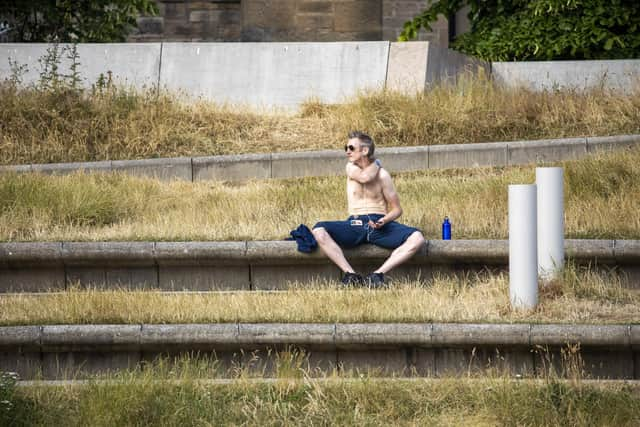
(317, 20)
(396, 12)
(284, 20)
(190, 20)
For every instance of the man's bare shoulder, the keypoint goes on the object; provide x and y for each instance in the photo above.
(384, 175)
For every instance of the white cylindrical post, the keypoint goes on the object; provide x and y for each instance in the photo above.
(550, 221)
(523, 242)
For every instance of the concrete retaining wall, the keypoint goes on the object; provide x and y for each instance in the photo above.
(280, 75)
(620, 75)
(273, 74)
(415, 66)
(284, 75)
(330, 162)
(259, 265)
(420, 349)
(130, 64)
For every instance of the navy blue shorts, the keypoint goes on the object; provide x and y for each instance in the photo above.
(356, 231)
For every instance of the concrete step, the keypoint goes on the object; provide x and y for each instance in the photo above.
(260, 265)
(332, 162)
(387, 349)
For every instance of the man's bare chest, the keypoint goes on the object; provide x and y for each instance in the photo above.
(370, 190)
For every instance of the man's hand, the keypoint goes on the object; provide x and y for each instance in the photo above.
(378, 224)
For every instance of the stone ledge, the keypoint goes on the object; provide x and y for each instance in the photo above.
(90, 337)
(284, 252)
(331, 162)
(54, 338)
(420, 349)
(262, 265)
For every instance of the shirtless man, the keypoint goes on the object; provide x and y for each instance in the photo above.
(374, 206)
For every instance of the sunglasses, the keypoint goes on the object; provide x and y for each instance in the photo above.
(349, 148)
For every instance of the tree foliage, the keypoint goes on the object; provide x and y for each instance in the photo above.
(73, 21)
(504, 30)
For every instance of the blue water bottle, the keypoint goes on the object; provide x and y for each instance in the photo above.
(446, 229)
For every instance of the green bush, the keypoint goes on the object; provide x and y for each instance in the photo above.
(507, 30)
(7, 396)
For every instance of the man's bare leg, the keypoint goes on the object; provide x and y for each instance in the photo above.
(403, 252)
(331, 249)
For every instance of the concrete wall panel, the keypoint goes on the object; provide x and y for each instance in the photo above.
(382, 362)
(232, 168)
(468, 251)
(407, 69)
(192, 336)
(446, 65)
(290, 333)
(382, 334)
(312, 163)
(608, 364)
(90, 337)
(278, 277)
(620, 75)
(467, 155)
(132, 278)
(86, 277)
(204, 278)
(600, 251)
(129, 277)
(524, 152)
(608, 143)
(201, 253)
(401, 159)
(70, 168)
(626, 251)
(585, 335)
(130, 64)
(476, 334)
(466, 361)
(15, 169)
(31, 279)
(273, 74)
(163, 169)
(30, 254)
(108, 253)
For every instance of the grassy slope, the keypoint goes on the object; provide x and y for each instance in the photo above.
(40, 126)
(602, 200)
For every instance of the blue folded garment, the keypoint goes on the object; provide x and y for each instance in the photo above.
(303, 237)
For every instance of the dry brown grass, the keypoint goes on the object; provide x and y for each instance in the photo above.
(40, 126)
(579, 296)
(602, 200)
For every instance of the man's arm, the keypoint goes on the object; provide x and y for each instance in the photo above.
(392, 199)
(365, 175)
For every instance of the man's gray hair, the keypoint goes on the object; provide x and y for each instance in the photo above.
(365, 141)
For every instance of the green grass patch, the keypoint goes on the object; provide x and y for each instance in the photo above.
(452, 402)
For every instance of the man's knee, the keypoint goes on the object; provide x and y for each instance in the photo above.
(415, 241)
(320, 234)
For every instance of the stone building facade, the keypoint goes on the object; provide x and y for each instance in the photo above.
(284, 20)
